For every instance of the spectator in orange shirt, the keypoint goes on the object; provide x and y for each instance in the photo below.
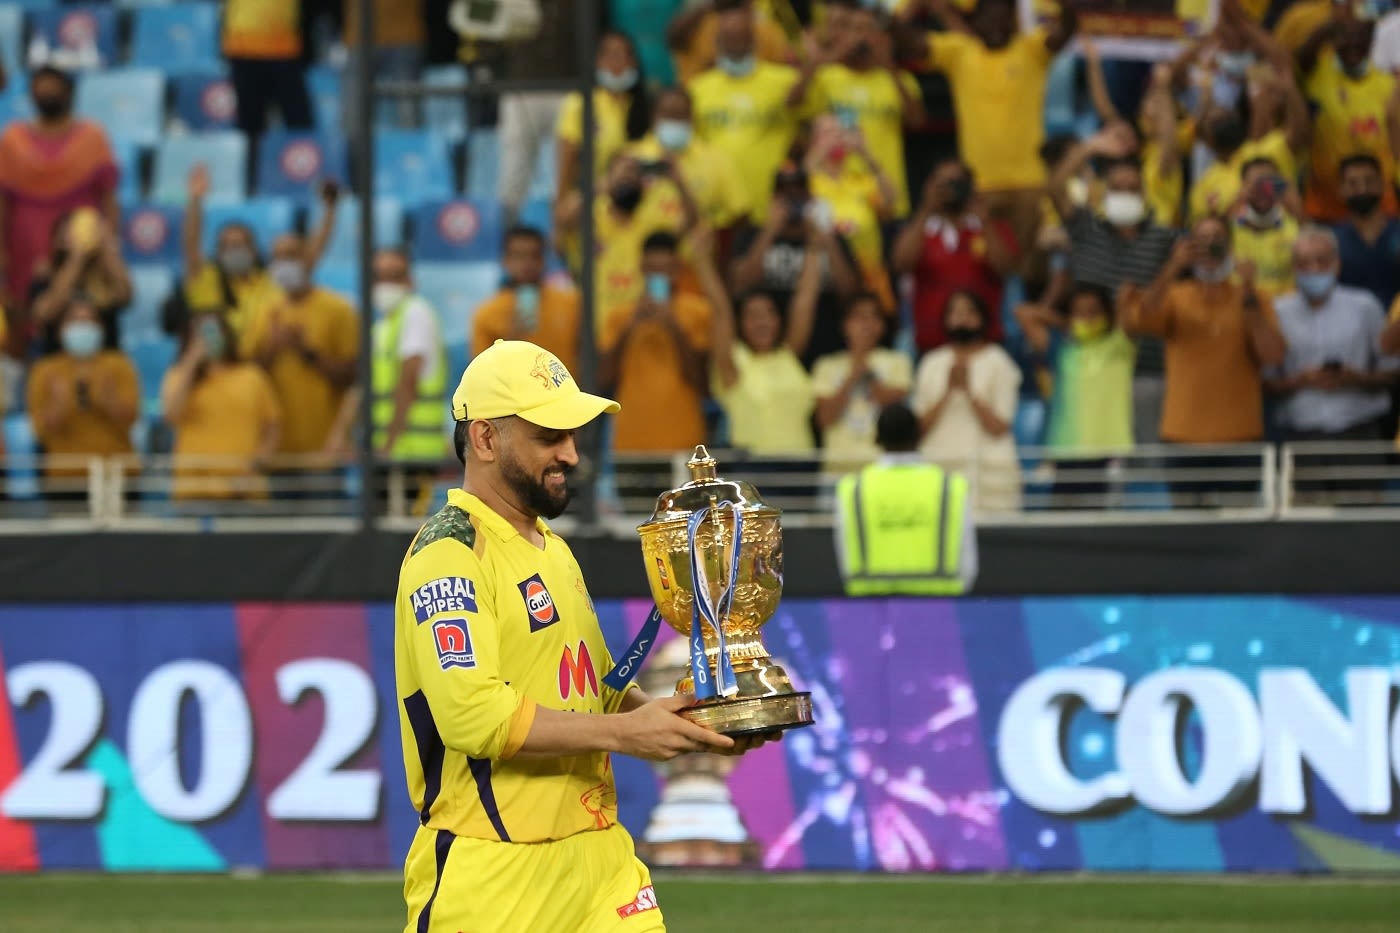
(653, 358)
(82, 401)
(527, 307)
(1220, 336)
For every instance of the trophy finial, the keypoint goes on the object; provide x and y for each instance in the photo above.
(701, 464)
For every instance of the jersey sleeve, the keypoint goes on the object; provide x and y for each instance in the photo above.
(452, 642)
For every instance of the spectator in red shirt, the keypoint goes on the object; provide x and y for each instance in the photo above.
(949, 246)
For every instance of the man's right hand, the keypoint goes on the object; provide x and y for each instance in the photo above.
(657, 731)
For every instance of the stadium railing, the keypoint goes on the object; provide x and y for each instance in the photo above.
(1249, 482)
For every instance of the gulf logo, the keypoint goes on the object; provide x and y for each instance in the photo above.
(538, 603)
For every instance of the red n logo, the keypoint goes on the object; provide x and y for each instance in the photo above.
(576, 672)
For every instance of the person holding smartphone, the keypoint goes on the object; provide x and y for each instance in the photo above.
(527, 306)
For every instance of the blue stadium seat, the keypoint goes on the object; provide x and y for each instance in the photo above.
(151, 234)
(341, 277)
(324, 85)
(1061, 100)
(152, 359)
(150, 286)
(446, 116)
(457, 231)
(291, 164)
(483, 164)
(268, 217)
(72, 30)
(224, 153)
(20, 446)
(414, 164)
(181, 39)
(129, 103)
(538, 213)
(456, 290)
(543, 182)
(128, 156)
(345, 238)
(204, 102)
(12, 37)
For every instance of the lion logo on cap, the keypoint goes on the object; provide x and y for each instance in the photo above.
(549, 371)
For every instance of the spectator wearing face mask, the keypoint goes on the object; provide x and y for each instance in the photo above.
(1247, 131)
(857, 80)
(629, 210)
(965, 395)
(771, 259)
(308, 342)
(653, 356)
(951, 245)
(528, 307)
(83, 400)
(1369, 239)
(1089, 361)
(86, 257)
(1220, 336)
(621, 112)
(409, 372)
(234, 279)
(998, 78)
(224, 414)
(711, 174)
(1334, 383)
(693, 35)
(49, 167)
(1354, 111)
(1122, 244)
(1264, 229)
(743, 106)
(852, 386)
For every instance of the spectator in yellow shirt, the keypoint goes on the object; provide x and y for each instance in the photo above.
(308, 343)
(998, 78)
(857, 79)
(692, 36)
(1356, 110)
(1265, 227)
(621, 112)
(528, 307)
(262, 42)
(743, 106)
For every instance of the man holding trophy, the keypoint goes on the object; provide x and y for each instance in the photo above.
(507, 727)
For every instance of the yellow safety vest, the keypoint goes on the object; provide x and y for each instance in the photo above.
(424, 436)
(902, 529)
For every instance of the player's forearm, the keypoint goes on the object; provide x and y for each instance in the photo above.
(556, 734)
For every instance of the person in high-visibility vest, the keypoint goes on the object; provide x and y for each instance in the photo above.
(904, 525)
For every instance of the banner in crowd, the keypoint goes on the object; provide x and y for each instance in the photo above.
(1154, 30)
(1172, 734)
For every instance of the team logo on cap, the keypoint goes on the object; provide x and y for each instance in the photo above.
(549, 371)
(538, 603)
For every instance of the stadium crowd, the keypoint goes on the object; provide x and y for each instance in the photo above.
(804, 211)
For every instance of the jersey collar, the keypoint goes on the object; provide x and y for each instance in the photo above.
(490, 520)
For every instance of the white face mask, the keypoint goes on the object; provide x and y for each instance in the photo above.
(1124, 208)
(385, 296)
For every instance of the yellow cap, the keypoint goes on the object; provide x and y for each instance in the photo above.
(515, 377)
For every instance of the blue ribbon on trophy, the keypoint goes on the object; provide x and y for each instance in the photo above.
(712, 611)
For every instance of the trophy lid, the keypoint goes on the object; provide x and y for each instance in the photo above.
(706, 487)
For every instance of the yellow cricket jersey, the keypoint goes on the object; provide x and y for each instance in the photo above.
(1218, 188)
(1270, 249)
(873, 100)
(750, 119)
(1350, 117)
(487, 628)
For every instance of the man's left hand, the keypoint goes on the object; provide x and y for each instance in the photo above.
(748, 743)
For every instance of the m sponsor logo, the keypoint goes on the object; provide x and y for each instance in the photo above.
(538, 603)
(646, 900)
(445, 594)
(454, 644)
(576, 673)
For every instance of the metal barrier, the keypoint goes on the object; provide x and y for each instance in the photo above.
(1251, 482)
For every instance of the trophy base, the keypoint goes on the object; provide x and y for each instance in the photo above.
(765, 702)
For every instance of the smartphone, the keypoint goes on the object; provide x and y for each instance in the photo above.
(847, 119)
(527, 308)
(84, 229)
(659, 288)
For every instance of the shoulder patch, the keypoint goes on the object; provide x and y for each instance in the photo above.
(451, 523)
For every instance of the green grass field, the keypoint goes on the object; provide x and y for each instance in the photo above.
(728, 904)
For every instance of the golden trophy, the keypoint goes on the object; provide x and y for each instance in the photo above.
(714, 559)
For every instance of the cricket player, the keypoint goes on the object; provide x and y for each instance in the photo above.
(507, 724)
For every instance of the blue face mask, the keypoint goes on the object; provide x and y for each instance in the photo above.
(617, 83)
(736, 67)
(674, 135)
(1316, 285)
(82, 339)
